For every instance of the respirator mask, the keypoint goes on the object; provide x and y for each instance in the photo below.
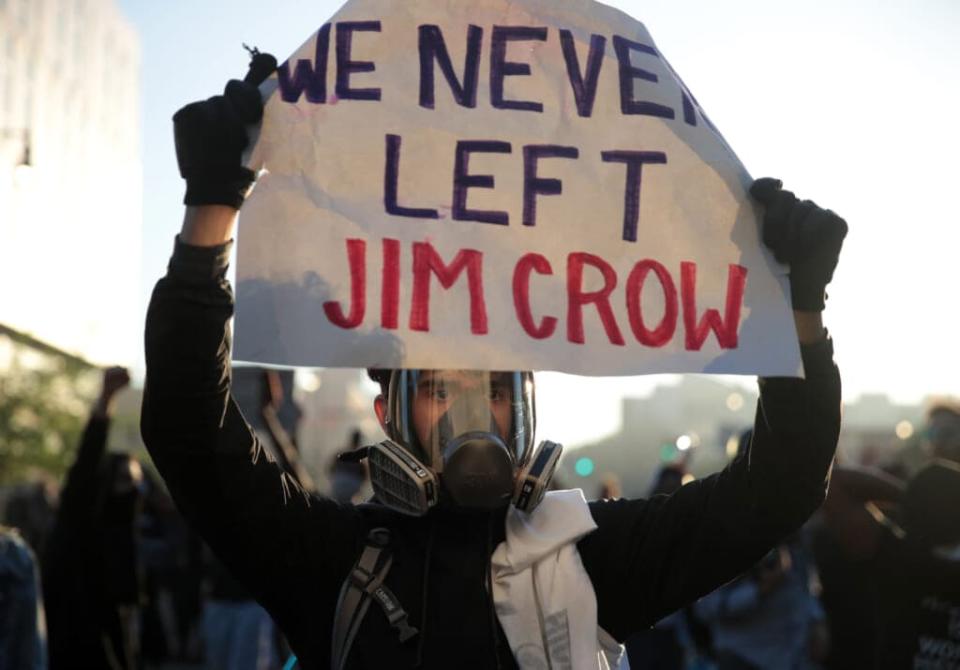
(463, 437)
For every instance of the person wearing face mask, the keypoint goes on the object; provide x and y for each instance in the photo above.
(92, 574)
(461, 559)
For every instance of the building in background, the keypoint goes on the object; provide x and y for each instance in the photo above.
(699, 420)
(70, 176)
(878, 432)
(692, 421)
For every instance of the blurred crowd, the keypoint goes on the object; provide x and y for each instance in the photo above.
(100, 570)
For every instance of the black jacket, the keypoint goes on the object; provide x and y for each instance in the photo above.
(646, 559)
(91, 571)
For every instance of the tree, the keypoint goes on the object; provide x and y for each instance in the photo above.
(45, 397)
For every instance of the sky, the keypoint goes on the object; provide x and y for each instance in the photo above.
(849, 102)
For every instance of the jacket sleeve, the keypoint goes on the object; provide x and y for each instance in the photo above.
(254, 516)
(648, 558)
(80, 498)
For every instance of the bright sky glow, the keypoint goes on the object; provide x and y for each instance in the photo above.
(850, 102)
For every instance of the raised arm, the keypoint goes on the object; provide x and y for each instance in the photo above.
(215, 467)
(251, 512)
(79, 494)
(853, 509)
(82, 492)
(210, 137)
(651, 557)
(208, 225)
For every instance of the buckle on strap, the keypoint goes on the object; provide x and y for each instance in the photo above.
(396, 616)
(405, 630)
(362, 578)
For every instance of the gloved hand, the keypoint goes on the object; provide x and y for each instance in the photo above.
(805, 237)
(211, 135)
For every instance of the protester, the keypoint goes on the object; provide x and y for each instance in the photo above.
(279, 417)
(91, 571)
(905, 537)
(23, 644)
(670, 644)
(769, 617)
(31, 509)
(173, 573)
(610, 487)
(942, 431)
(842, 538)
(238, 633)
(939, 437)
(348, 477)
(460, 585)
(669, 478)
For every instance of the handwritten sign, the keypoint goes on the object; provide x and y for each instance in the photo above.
(496, 184)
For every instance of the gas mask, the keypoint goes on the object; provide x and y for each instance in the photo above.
(462, 437)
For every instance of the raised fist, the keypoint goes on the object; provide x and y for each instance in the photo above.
(804, 236)
(115, 379)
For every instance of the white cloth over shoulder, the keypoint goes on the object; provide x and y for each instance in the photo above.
(543, 595)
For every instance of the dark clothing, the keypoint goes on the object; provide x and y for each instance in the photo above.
(658, 648)
(22, 642)
(646, 559)
(849, 601)
(727, 660)
(765, 628)
(918, 606)
(90, 575)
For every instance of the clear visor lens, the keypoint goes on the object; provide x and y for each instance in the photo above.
(448, 403)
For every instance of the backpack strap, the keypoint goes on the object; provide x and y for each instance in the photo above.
(363, 584)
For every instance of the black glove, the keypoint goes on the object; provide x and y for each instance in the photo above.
(805, 237)
(211, 135)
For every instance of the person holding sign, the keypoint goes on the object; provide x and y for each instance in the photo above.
(461, 560)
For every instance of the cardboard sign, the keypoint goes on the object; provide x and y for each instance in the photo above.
(500, 184)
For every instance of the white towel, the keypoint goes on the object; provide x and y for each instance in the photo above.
(543, 595)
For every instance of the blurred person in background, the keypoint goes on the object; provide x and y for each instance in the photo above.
(843, 545)
(173, 575)
(23, 644)
(610, 488)
(91, 570)
(349, 479)
(905, 537)
(942, 431)
(769, 618)
(669, 478)
(31, 509)
(679, 640)
(279, 438)
(938, 438)
(238, 634)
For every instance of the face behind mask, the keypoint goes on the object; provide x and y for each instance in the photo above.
(463, 437)
(478, 467)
